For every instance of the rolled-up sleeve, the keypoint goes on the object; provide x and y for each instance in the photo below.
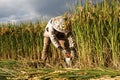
(53, 37)
(71, 40)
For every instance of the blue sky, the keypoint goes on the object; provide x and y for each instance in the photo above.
(31, 9)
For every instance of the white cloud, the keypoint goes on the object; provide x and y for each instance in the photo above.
(29, 9)
(13, 9)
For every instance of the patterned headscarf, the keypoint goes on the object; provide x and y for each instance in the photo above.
(60, 24)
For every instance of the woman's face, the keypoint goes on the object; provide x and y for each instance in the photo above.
(65, 25)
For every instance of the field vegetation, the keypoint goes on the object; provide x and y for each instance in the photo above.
(96, 29)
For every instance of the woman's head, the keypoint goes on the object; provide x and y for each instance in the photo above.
(62, 24)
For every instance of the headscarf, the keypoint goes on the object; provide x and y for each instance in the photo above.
(61, 24)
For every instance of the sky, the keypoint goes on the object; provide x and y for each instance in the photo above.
(32, 9)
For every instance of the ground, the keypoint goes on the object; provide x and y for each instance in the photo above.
(12, 70)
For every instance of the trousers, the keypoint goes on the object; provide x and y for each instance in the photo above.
(46, 45)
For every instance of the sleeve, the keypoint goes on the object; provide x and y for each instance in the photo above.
(53, 37)
(71, 40)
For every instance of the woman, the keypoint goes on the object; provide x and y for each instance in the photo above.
(58, 31)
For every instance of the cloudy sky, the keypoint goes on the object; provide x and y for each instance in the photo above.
(30, 9)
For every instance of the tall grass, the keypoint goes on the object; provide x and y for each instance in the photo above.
(96, 29)
(24, 40)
